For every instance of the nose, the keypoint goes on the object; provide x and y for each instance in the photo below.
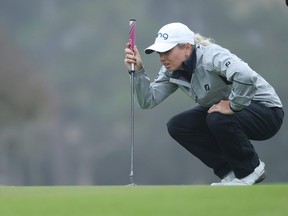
(162, 57)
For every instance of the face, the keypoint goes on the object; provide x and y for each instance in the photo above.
(172, 59)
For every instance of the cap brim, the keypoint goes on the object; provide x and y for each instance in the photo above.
(159, 47)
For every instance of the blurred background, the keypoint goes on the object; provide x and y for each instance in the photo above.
(65, 92)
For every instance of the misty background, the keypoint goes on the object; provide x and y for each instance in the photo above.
(65, 92)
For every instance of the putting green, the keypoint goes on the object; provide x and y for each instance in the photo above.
(144, 200)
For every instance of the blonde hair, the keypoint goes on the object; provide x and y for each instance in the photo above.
(199, 39)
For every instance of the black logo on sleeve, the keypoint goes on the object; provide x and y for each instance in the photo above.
(227, 63)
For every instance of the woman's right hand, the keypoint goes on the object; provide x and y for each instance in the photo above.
(132, 58)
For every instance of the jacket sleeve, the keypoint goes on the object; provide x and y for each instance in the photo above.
(237, 72)
(150, 94)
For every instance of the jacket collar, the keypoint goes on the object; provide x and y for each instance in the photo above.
(188, 68)
(190, 64)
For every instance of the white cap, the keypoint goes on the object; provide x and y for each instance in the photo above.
(169, 36)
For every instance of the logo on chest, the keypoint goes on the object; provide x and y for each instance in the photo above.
(206, 87)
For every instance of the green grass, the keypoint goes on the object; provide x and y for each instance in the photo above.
(144, 200)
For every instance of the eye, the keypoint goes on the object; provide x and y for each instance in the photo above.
(164, 53)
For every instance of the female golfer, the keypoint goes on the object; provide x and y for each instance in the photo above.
(235, 104)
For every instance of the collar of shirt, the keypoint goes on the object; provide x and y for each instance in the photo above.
(190, 64)
(188, 68)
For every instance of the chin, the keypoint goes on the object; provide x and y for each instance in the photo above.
(170, 68)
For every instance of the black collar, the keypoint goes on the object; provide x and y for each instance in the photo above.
(188, 68)
(190, 64)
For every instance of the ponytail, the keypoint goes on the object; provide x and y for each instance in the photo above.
(199, 39)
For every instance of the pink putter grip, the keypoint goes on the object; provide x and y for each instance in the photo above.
(132, 37)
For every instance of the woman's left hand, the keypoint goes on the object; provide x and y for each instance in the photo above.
(222, 107)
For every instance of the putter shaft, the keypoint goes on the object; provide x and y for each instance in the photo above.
(132, 129)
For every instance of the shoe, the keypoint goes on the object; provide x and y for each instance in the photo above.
(255, 177)
(229, 177)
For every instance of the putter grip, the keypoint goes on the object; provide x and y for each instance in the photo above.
(132, 38)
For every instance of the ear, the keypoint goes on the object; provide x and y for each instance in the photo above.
(188, 48)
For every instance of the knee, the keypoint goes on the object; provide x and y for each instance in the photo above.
(172, 126)
(216, 121)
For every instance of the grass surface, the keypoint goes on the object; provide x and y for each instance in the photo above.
(144, 200)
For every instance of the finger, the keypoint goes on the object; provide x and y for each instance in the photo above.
(128, 44)
(130, 59)
(212, 109)
(128, 51)
(136, 51)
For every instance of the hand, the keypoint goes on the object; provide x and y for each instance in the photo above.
(132, 57)
(222, 107)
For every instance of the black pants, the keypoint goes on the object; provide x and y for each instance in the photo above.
(222, 142)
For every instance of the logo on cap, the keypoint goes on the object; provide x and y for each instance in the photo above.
(165, 36)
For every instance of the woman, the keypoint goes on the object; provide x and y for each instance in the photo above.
(236, 104)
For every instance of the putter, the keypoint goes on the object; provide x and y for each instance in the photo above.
(132, 37)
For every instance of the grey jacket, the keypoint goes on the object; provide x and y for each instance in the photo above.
(216, 74)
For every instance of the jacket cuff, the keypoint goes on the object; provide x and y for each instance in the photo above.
(234, 110)
(138, 73)
(141, 70)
